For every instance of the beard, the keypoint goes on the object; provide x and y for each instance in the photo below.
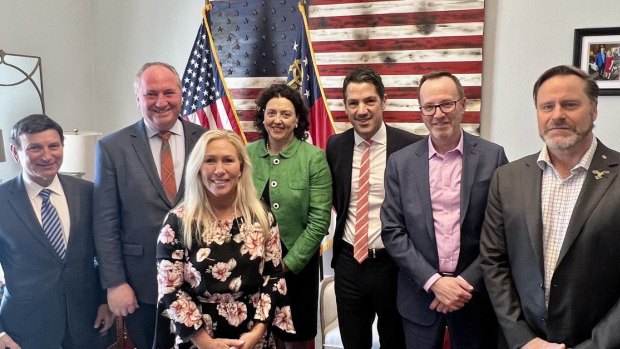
(567, 142)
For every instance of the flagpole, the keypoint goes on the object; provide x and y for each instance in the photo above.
(207, 8)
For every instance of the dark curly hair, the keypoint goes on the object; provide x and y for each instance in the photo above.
(285, 91)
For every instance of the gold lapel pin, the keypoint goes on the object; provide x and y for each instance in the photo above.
(599, 174)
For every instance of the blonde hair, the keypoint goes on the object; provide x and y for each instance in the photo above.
(198, 214)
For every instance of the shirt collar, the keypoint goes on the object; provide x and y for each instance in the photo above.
(33, 189)
(177, 129)
(379, 137)
(432, 152)
(544, 159)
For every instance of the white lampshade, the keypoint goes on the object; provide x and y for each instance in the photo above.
(79, 153)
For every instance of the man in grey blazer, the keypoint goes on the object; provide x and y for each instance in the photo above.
(131, 200)
(435, 197)
(551, 235)
(52, 298)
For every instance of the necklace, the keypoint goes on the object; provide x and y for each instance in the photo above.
(224, 216)
(269, 148)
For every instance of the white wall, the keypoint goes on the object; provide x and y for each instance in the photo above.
(92, 49)
(128, 34)
(59, 32)
(523, 39)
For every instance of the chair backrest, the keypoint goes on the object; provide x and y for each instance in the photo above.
(327, 306)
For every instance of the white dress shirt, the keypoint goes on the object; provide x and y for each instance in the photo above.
(378, 157)
(58, 199)
(177, 148)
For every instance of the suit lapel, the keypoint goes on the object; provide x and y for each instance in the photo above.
(468, 174)
(74, 205)
(140, 144)
(346, 165)
(420, 165)
(23, 209)
(191, 137)
(590, 195)
(533, 216)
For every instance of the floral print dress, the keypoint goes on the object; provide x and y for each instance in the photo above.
(225, 284)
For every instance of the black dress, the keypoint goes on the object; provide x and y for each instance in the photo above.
(225, 284)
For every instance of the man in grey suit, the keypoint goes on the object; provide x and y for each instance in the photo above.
(435, 197)
(550, 238)
(52, 298)
(138, 179)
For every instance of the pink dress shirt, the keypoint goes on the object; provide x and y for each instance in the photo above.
(444, 176)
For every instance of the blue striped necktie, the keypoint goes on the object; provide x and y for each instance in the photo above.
(51, 223)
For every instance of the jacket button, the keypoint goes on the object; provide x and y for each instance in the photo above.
(274, 184)
(275, 205)
(276, 161)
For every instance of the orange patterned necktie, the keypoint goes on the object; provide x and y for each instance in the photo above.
(360, 245)
(167, 167)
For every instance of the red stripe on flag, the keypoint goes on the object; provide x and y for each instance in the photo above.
(320, 126)
(338, 2)
(418, 18)
(473, 67)
(447, 42)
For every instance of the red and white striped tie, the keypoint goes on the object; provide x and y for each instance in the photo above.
(360, 245)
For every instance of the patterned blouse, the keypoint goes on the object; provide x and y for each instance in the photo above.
(225, 284)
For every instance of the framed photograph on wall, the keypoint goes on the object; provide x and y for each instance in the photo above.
(597, 52)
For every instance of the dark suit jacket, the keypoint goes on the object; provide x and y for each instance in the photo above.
(408, 227)
(130, 205)
(42, 293)
(339, 153)
(584, 303)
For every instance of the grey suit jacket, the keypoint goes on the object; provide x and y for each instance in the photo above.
(43, 293)
(130, 205)
(584, 303)
(408, 227)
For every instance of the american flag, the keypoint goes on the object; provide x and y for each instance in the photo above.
(400, 39)
(205, 94)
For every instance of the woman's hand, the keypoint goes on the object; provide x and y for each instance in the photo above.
(202, 340)
(252, 337)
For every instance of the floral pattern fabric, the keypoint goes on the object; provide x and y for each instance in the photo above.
(225, 284)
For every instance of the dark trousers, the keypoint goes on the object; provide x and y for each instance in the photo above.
(141, 326)
(363, 291)
(472, 327)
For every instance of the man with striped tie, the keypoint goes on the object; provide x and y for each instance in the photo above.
(435, 197)
(365, 276)
(52, 298)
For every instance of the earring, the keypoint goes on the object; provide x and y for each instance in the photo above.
(295, 125)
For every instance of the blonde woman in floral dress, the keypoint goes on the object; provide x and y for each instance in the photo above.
(219, 263)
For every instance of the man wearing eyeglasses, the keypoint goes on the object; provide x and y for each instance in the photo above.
(435, 198)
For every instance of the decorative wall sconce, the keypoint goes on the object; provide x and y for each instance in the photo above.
(27, 69)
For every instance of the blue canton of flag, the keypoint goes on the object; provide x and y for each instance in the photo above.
(205, 96)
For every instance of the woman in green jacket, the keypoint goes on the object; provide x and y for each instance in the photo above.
(293, 178)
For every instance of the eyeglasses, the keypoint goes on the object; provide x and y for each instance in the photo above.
(284, 114)
(446, 107)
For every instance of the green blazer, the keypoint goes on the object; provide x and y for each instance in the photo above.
(300, 195)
